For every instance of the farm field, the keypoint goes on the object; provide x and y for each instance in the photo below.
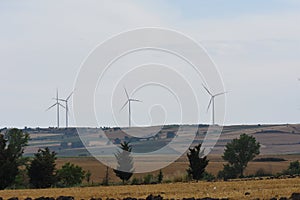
(274, 139)
(263, 189)
(178, 169)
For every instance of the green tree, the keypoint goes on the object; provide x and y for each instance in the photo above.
(160, 177)
(228, 172)
(197, 162)
(88, 175)
(21, 181)
(208, 176)
(70, 175)
(105, 180)
(240, 151)
(294, 168)
(42, 169)
(125, 162)
(12, 145)
(148, 179)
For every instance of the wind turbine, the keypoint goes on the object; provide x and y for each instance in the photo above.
(212, 102)
(67, 107)
(56, 104)
(129, 100)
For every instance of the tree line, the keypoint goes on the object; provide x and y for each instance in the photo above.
(237, 153)
(41, 169)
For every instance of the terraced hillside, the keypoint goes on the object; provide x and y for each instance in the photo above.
(275, 139)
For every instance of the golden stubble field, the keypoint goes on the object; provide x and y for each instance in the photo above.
(263, 189)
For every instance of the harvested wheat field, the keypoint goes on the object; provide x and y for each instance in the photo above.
(263, 189)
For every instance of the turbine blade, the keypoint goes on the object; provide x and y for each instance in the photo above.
(51, 107)
(207, 90)
(220, 94)
(69, 96)
(126, 93)
(209, 104)
(124, 105)
(135, 100)
(61, 105)
(62, 100)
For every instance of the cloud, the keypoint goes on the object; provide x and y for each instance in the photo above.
(44, 43)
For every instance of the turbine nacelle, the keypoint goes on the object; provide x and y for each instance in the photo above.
(58, 104)
(212, 102)
(129, 100)
(67, 107)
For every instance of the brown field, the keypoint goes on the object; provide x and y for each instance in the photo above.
(178, 168)
(263, 189)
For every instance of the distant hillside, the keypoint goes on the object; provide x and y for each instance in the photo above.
(275, 139)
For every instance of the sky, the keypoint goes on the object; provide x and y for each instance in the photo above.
(254, 44)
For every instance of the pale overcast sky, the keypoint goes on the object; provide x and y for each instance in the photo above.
(255, 45)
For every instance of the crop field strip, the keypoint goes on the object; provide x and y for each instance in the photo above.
(178, 168)
(263, 189)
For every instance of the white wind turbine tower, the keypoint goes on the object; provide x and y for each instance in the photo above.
(129, 100)
(67, 107)
(56, 104)
(212, 102)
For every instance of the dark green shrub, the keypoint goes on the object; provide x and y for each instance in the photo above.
(294, 168)
(12, 145)
(136, 181)
(22, 180)
(197, 162)
(88, 175)
(261, 173)
(269, 159)
(105, 180)
(42, 169)
(208, 177)
(70, 175)
(125, 162)
(148, 179)
(228, 172)
(160, 177)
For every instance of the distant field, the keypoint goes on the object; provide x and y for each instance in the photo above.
(178, 168)
(263, 189)
(274, 139)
